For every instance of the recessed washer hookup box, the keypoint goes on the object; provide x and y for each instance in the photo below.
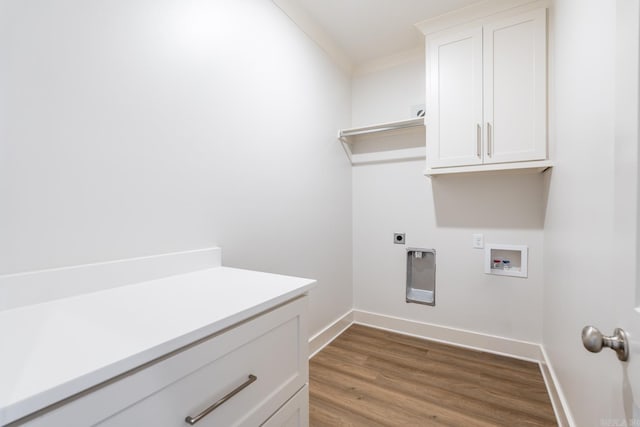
(421, 276)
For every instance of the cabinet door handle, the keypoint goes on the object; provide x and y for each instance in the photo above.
(192, 420)
(478, 140)
(489, 140)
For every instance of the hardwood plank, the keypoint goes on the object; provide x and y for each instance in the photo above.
(530, 399)
(493, 377)
(369, 377)
(324, 414)
(440, 351)
(385, 405)
(473, 401)
(443, 352)
(447, 349)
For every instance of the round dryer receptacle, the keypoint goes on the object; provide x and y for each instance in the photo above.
(398, 238)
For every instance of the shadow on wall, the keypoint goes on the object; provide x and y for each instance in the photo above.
(505, 200)
(391, 140)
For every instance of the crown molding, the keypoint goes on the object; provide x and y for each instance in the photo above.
(475, 11)
(310, 27)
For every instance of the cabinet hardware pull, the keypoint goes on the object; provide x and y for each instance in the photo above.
(489, 141)
(192, 420)
(478, 140)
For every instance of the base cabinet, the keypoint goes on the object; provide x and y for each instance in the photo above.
(295, 413)
(257, 369)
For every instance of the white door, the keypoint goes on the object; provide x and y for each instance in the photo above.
(627, 213)
(454, 99)
(618, 382)
(515, 88)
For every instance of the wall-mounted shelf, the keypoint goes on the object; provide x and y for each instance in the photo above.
(537, 166)
(384, 142)
(382, 127)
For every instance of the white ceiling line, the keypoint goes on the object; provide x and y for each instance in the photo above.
(310, 27)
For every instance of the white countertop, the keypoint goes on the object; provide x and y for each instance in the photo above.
(52, 350)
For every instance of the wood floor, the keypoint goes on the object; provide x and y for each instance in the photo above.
(369, 377)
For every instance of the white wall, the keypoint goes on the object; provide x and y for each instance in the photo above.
(137, 127)
(591, 215)
(387, 93)
(441, 213)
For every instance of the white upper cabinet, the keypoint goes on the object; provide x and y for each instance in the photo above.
(515, 88)
(454, 99)
(487, 93)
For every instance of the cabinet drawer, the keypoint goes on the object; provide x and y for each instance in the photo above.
(272, 347)
(295, 413)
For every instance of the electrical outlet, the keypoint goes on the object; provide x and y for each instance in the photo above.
(478, 241)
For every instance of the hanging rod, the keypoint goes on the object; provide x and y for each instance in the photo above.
(382, 127)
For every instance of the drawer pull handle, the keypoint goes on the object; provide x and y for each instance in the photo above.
(192, 420)
(489, 140)
(478, 140)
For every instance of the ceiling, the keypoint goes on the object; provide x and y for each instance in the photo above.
(366, 30)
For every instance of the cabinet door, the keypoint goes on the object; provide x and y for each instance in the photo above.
(454, 110)
(515, 88)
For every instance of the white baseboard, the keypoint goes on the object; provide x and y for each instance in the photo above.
(558, 400)
(328, 334)
(458, 337)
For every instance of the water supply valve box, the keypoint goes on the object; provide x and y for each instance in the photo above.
(506, 260)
